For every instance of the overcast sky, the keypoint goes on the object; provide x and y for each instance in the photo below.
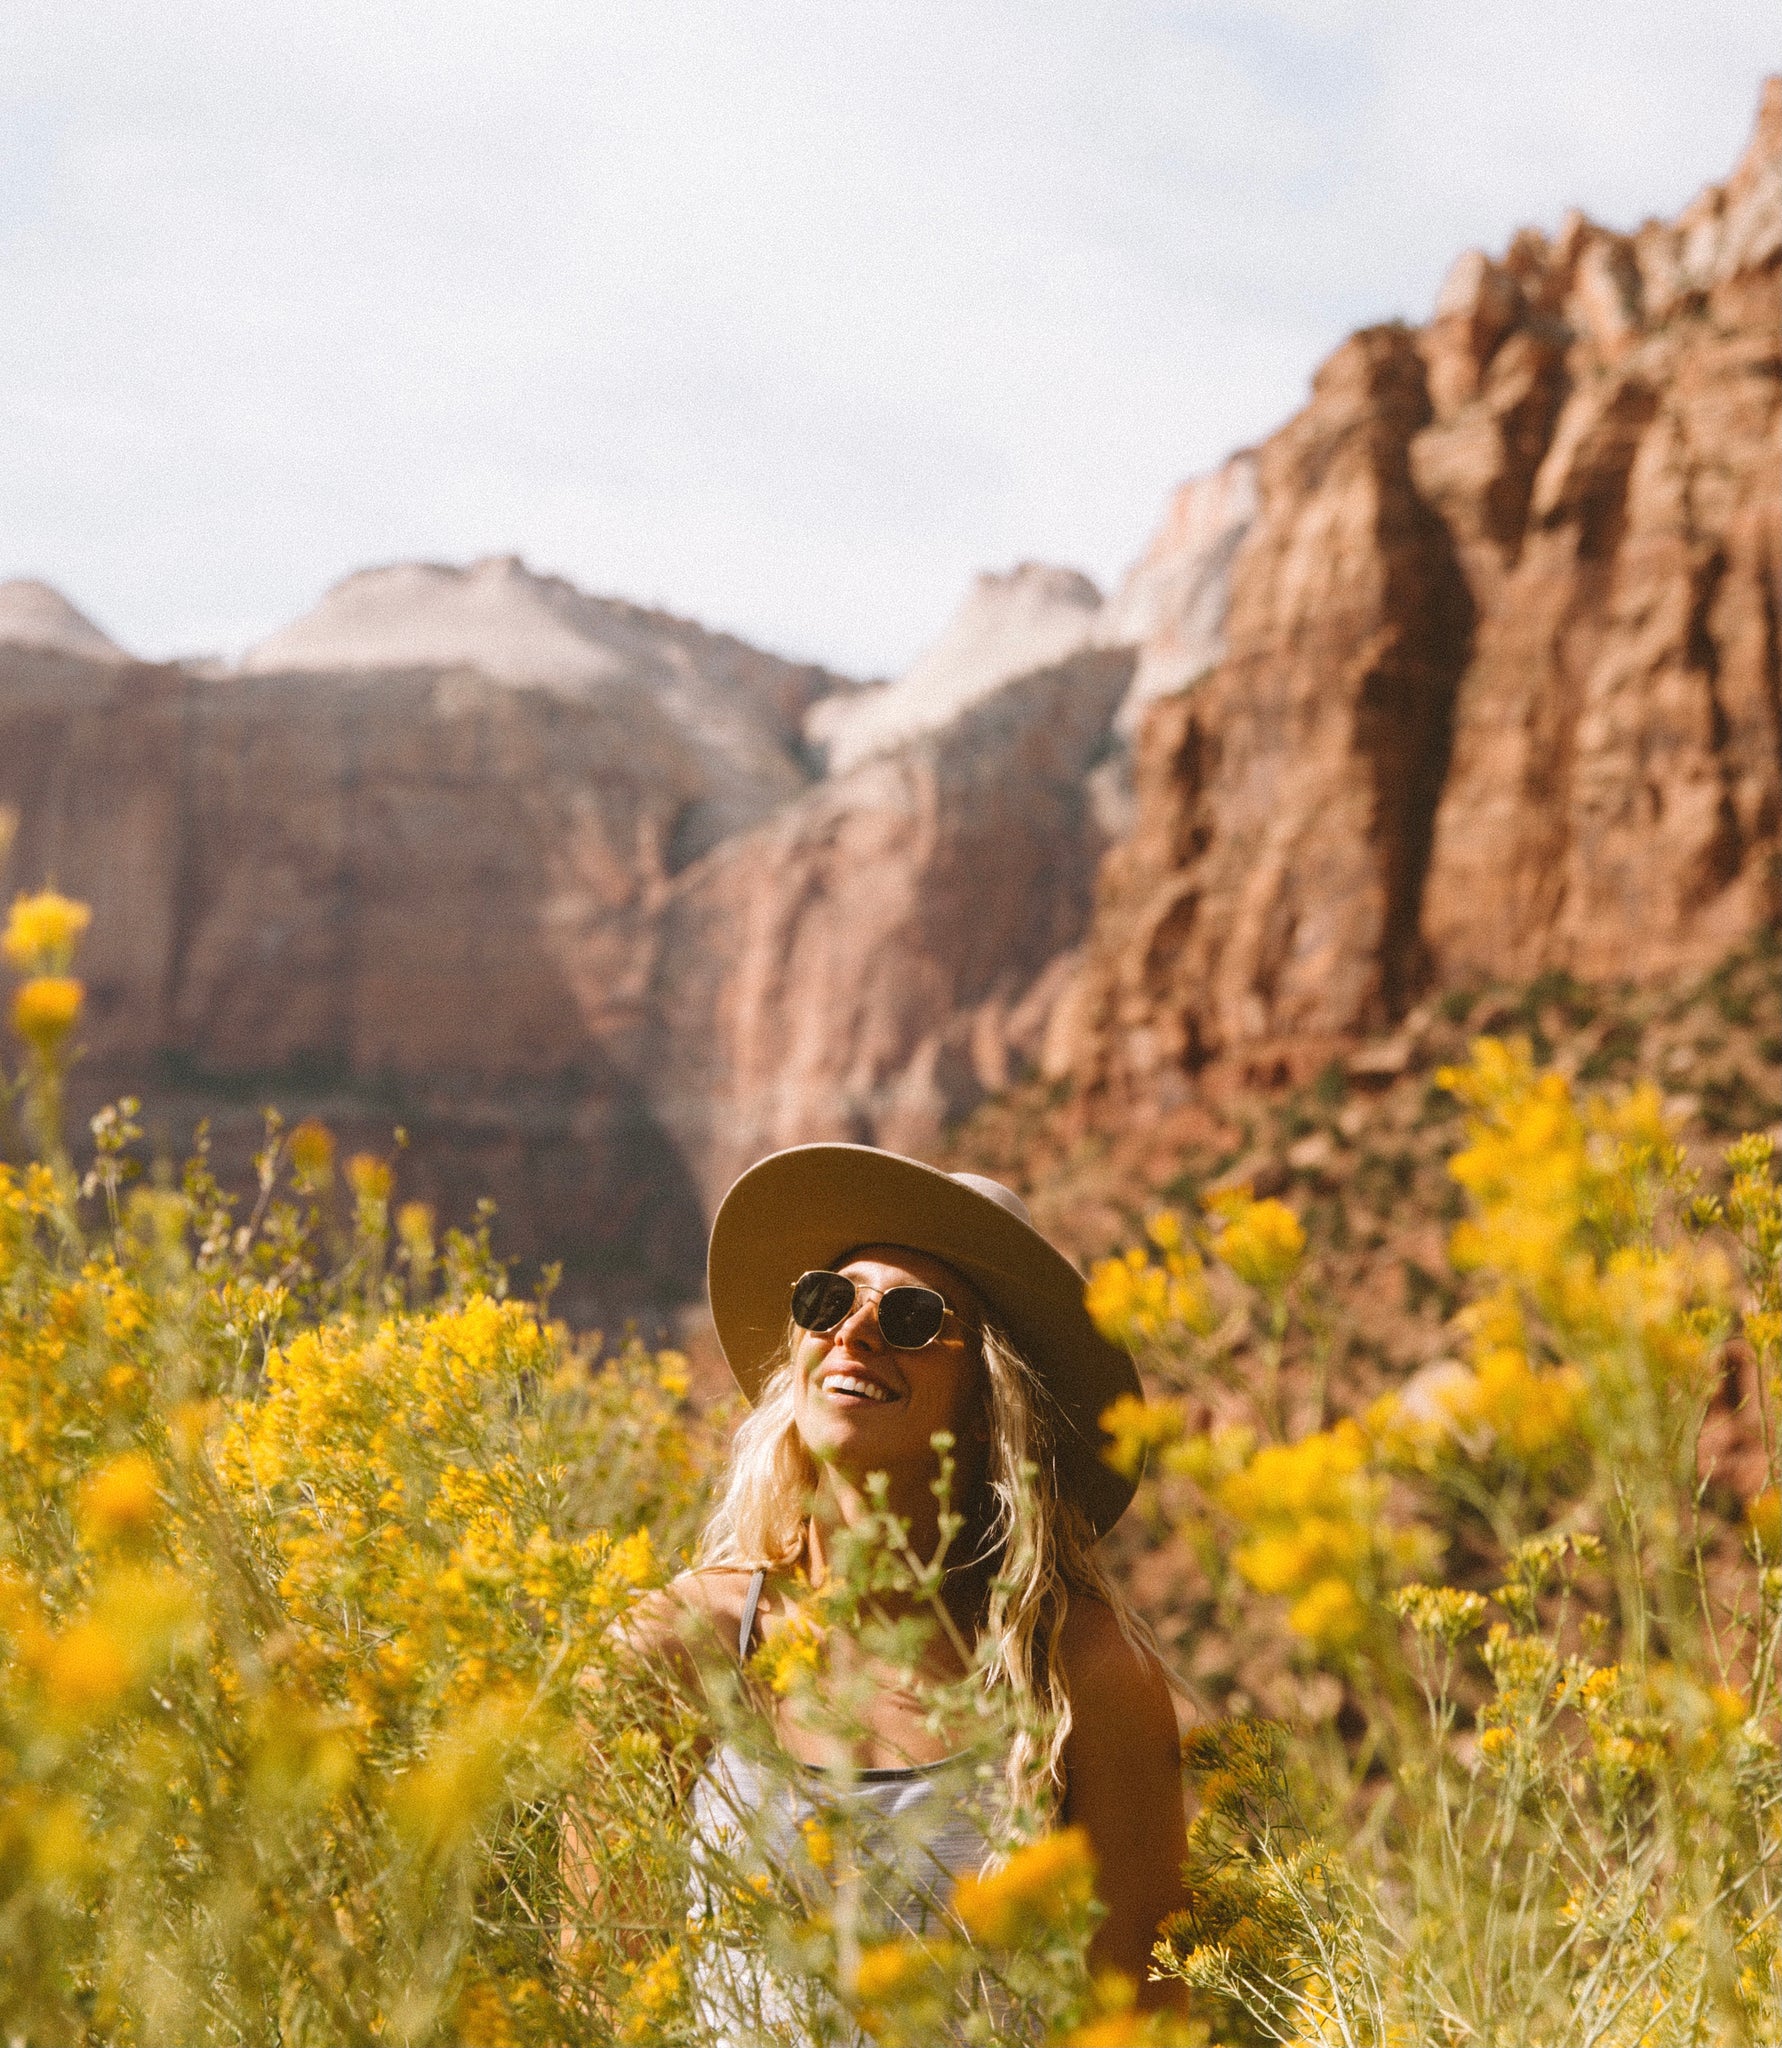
(788, 314)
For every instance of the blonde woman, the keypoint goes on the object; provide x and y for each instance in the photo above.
(867, 1303)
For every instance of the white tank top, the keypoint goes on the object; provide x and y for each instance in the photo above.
(908, 1834)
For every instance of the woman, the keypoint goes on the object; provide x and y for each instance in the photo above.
(923, 1303)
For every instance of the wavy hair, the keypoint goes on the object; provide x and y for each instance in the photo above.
(1038, 1542)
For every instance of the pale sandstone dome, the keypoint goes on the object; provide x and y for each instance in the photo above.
(496, 616)
(34, 615)
(516, 627)
(1009, 625)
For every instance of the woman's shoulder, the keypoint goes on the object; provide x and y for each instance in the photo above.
(1104, 1669)
(692, 1613)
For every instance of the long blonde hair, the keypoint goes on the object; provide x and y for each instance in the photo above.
(1038, 1541)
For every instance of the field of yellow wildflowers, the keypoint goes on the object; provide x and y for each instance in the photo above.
(314, 1724)
(1548, 1807)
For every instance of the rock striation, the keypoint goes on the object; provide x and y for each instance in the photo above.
(1498, 691)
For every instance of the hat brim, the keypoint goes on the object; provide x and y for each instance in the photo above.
(811, 1205)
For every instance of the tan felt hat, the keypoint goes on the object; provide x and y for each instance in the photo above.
(810, 1206)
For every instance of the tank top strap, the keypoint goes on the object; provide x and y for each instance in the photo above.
(746, 1633)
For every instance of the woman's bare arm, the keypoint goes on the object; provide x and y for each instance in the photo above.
(1123, 1785)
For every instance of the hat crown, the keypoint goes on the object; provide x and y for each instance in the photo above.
(1004, 1198)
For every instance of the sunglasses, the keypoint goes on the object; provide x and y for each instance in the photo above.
(909, 1317)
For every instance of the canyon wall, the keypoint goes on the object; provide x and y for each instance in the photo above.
(555, 885)
(1499, 686)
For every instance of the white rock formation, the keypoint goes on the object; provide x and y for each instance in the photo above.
(34, 615)
(496, 616)
(1172, 603)
(1010, 625)
(740, 708)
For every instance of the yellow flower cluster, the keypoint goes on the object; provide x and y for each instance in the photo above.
(295, 1614)
(1153, 1290)
(657, 1987)
(1036, 1890)
(1315, 1533)
(46, 1009)
(790, 1656)
(1262, 1242)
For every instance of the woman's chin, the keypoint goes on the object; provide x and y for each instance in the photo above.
(858, 1438)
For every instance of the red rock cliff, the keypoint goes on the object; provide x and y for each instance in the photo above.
(1500, 685)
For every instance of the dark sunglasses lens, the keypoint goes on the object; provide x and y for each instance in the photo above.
(911, 1317)
(820, 1300)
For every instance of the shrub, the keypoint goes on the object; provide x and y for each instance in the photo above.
(1549, 1809)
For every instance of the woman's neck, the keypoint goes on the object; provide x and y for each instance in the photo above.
(965, 1581)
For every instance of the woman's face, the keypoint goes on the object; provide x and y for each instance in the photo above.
(869, 1408)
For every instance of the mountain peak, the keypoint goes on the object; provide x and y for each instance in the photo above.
(495, 615)
(1010, 623)
(34, 614)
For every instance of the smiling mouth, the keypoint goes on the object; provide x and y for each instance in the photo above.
(853, 1386)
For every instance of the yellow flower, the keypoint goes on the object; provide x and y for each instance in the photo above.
(1138, 1428)
(1497, 1745)
(1763, 1517)
(121, 1501)
(1037, 1889)
(1533, 1413)
(442, 1801)
(791, 1656)
(1329, 1615)
(1444, 1612)
(1133, 1299)
(369, 1177)
(46, 1009)
(87, 1669)
(656, 1987)
(482, 2019)
(1321, 1473)
(414, 1225)
(312, 1154)
(43, 931)
(631, 1562)
(890, 1970)
(1262, 1242)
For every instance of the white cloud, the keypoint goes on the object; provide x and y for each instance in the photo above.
(788, 313)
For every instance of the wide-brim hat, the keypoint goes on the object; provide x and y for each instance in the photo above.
(812, 1205)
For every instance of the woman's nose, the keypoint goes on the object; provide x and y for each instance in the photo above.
(862, 1320)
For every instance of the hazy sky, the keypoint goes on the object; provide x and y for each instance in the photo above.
(788, 314)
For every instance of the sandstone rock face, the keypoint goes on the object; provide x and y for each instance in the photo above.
(416, 896)
(887, 950)
(1173, 603)
(463, 895)
(1499, 690)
